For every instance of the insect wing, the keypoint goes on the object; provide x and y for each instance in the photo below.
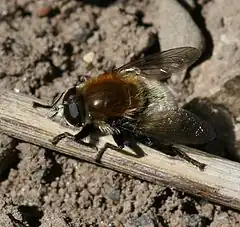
(177, 127)
(162, 65)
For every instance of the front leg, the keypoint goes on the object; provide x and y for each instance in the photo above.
(48, 105)
(86, 130)
(53, 105)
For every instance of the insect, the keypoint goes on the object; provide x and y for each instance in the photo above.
(134, 99)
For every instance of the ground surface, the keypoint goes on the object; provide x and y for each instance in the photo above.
(45, 48)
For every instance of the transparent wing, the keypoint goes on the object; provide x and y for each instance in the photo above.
(177, 126)
(162, 65)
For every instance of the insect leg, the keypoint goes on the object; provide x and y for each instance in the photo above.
(61, 136)
(184, 156)
(119, 140)
(47, 105)
(77, 137)
(103, 149)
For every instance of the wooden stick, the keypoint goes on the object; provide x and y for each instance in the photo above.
(219, 182)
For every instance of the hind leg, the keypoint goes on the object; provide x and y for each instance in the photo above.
(184, 156)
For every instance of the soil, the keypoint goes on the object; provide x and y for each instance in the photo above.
(47, 47)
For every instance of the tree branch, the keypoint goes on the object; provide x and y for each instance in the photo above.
(219, 182)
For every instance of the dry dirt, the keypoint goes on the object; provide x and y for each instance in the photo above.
(44, 49)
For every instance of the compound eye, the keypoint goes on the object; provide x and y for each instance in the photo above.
(74, 112)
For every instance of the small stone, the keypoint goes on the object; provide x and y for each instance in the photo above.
(44, 11)
(114, 195)
(88, 58)
(16, 90)
(166, 15)
(207, 210)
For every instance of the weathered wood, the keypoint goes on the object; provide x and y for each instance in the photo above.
(219, 182)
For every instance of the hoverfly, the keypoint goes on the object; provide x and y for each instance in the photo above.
(133, 98)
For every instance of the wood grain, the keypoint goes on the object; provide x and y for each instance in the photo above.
(219, 182)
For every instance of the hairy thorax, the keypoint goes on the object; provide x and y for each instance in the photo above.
(112, 95)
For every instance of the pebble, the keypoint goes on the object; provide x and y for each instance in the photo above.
(88, 58)
(44, 11)
(175, 26)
